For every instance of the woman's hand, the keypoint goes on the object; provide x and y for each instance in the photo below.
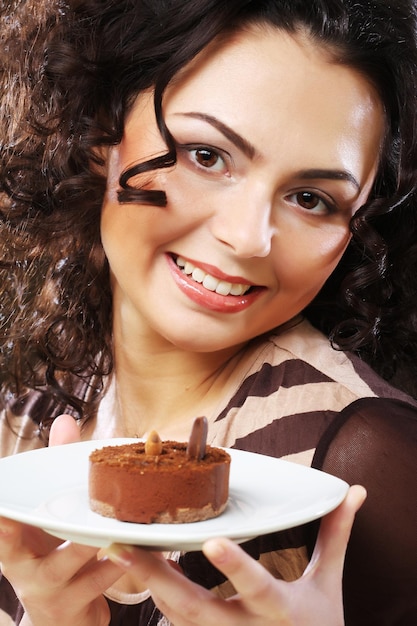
(58, 583)
(313, 600)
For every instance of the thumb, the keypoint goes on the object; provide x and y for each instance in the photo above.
(64, 429)
(329, 553)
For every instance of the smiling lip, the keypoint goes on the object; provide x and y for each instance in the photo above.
(245, 293)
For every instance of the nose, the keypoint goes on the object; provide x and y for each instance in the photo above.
(244, 223)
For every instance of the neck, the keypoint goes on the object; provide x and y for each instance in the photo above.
(160, 386)
(164, 388)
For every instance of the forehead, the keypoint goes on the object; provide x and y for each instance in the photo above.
(275, 86)
(271, 63)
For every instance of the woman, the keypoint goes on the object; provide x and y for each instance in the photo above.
(208, 209)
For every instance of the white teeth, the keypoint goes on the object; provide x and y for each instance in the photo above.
(188, 268)
(237, 290)
(198, 275)
(211, 283)
(223, 288)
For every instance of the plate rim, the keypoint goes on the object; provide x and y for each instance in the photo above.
(170, 536)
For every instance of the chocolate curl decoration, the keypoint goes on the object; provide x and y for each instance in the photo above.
(153, 445)
(196, 448)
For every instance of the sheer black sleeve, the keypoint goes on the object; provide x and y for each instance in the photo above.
(373, 442)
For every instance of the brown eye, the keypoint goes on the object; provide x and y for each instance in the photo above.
(313, 203)
(206, 158)
(308, 200)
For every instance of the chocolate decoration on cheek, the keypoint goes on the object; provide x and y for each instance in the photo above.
(196, 448)
(153, 445)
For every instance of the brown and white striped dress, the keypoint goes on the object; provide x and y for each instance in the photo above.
(295, 397)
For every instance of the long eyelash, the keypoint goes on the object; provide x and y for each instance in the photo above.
(203, 146)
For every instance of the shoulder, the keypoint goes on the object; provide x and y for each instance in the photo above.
(368, 428)
(308, 355)
(373, 442)
(286, 391)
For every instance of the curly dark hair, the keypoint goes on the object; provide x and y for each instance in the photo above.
(70, 72)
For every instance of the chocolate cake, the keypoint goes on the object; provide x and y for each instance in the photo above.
(160, 482)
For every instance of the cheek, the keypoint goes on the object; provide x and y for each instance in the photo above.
(308, 261)
(110, 226)
(112, 233)
(331, 247)
(330, 251)
(112, 222)
(120, 230)
(122, 225)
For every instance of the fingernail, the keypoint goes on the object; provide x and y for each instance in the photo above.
(120, 554)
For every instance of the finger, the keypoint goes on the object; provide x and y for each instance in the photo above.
(256, 587)
(65, 561)
(51, 557)
(147, 566)
(179, 599)
(89, 576)
(335, 528)
(19, 541)
(64, 429)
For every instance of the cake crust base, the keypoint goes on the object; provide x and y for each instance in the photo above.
(181, 516)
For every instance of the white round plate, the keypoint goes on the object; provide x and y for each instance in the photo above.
(48, 488)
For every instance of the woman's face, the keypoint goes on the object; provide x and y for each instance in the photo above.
(277, 149)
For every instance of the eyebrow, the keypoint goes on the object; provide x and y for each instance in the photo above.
(250, 151)
(245, 146)
(343, 175)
